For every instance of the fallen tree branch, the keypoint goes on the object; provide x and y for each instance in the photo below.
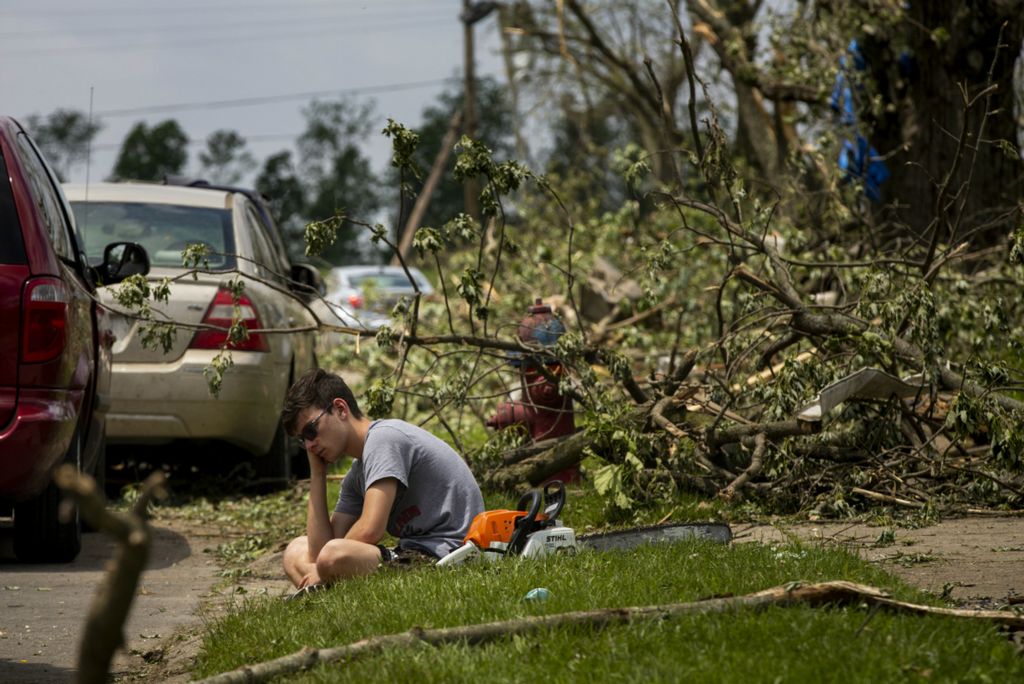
(773, 431)
(536, 469)
(756, 462)
(659, 419)
(521, 453)
(885, 498)
(821, 594)
(104, 626)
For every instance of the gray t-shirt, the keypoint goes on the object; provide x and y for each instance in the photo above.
(437, 498)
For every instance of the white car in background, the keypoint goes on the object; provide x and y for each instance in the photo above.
(159, 397)
(368, 293)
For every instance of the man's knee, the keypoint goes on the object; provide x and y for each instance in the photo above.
(344, 558)
(297, 551)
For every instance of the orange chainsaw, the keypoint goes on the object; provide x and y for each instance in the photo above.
(526, 531)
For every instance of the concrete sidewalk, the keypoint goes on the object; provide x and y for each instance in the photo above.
(43, 607)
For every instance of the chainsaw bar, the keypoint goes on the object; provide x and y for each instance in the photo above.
(622, 540)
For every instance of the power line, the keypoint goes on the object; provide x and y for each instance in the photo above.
(267, 99)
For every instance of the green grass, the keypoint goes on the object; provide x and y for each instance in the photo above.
(784, 644)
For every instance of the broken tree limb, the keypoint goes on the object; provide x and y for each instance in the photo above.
(536, 469)
(525, 451)
(885, 498)
(104, 626)
(815, 595)
(756, 462)
(659, 419)
(681, 372)
(772, 431)
(568, 452)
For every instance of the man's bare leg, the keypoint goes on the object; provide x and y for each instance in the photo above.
(299, 567)
(346, 558)
(339, 559)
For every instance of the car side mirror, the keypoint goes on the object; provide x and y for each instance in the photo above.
(306, 281)
(121, 260)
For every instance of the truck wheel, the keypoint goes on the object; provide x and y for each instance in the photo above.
(39, 534)
(274, 469)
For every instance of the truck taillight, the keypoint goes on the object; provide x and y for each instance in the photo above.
(44, 320)
(220, 314)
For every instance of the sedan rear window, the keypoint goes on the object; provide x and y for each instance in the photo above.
(163, 229)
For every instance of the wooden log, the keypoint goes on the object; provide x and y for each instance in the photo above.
(525, 451)
(536, 469)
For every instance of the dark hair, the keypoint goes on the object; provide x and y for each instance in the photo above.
(316, 388)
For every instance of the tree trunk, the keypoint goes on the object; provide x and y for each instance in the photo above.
(942, 48)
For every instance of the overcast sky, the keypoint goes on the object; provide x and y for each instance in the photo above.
(246, 65)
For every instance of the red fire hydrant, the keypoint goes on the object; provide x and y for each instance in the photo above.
(544, 411)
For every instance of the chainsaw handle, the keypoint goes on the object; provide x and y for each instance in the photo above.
(554, 499)
(529, 502)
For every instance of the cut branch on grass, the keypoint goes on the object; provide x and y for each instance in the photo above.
(817, 595)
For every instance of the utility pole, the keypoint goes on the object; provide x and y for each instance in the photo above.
(472, 12)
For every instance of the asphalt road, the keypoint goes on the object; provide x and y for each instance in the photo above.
(43, 607)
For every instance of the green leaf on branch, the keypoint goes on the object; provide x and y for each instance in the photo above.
(403, 145)
(473, 159)
(427, 240)
(153, 334)
(630, 162)
(470, 286)
(378, 232)
(380, 398)
(214, 373)
(509, 176)
(461, 228)
(608, 483)
(320, 235)
(195, 255)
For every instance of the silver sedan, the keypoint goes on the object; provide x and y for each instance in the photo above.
(157, 397)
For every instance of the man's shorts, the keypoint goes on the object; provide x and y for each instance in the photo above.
(398, 557)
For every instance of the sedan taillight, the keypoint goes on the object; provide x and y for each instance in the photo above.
(44, 320)
(355, 301)
(220, 314)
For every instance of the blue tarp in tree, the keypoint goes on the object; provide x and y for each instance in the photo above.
(857, 158)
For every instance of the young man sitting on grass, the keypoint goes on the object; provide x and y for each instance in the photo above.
(403, 480)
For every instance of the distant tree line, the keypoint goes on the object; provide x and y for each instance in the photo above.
(328, 174)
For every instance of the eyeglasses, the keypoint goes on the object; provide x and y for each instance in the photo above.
(309, 431)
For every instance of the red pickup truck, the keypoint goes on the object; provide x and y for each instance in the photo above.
(54, 348)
